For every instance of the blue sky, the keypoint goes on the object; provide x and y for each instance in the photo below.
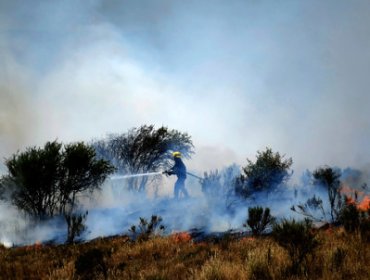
(236, 75)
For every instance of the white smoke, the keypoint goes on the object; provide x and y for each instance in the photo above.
(238, 76)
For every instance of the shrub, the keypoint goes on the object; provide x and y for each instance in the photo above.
(146, 230)
(258, 219)
(269, 171)
(44, 182)
(297, 238)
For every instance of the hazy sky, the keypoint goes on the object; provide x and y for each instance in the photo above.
(236, 75)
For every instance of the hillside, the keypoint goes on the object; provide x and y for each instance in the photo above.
(339, 256)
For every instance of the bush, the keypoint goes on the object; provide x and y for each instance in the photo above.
(269, 171)
(44, 182)
(258, 219)
(297, 238)
(146, 230)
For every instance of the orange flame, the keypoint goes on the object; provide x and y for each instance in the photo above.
(363, 205)
(181, 237)
(37, 246)
(248, 239)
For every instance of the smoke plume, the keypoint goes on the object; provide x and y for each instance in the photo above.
(237, 75)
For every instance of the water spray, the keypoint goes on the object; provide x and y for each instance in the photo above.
(119, 177)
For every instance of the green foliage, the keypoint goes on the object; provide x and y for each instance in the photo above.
(258, 219)
(44, 182)
(328, 178)
(297, 238)
(269, 171)
(33, 179)
(143, 149)
(146, 230)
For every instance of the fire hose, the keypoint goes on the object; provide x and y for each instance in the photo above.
(195, 176)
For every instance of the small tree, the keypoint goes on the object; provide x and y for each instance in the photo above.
(297, 238)
(269, 171)
(45, 182)
(143, 149)
(258, 219)
(328, 178)
(32, 180)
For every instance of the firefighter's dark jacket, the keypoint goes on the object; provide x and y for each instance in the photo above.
(179, 169)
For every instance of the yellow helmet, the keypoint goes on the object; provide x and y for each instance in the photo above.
(176, 154)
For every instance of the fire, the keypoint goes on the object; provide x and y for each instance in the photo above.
(248, 239)
(181, 237)
(364, 203)
(36, 246)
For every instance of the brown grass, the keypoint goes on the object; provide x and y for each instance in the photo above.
(340, 256)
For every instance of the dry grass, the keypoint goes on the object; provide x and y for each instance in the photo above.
(340, 256)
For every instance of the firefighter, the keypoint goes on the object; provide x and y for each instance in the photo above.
(179, 169)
